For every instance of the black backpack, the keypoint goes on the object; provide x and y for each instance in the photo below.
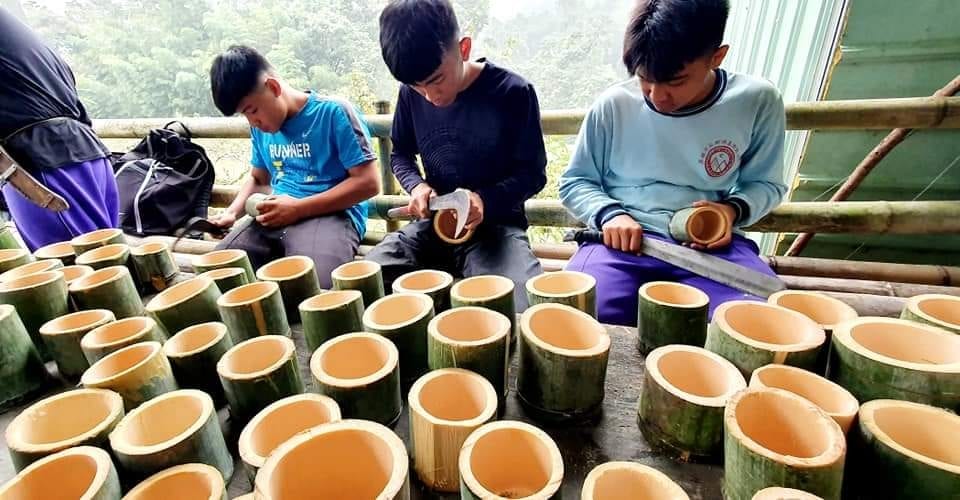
(164, 182)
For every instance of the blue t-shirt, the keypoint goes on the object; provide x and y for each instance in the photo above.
(313, 150)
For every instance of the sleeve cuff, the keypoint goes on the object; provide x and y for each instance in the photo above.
(607, 213)
(741, 207)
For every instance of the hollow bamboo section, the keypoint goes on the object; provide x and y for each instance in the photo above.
(884, 358)
(62, 251)
(403, 318)
(112, 337)
(777, 493)
(361, 372)
(775, 438)
(446, 405)
(942, 311)
(444, 225)
(80, 417)
(826, 311)
(905, 450)
(346, 459)
(434, 283)
(96, 239)
(629, 480)
(110, 288)
(62, 338)
(364, 276)
(138, 373)
(219, 259)
(472, 338)
(700, 225)
(834, 400)
(279, 422)
(671, 313)
(197, 481)
(22, 371)
(75, 272)
(253, 310)
(331, 314)
(11, 258)
(115, 254)
(184, 304)
(297, 278)
(685, 390)
(180, 427)
(84, 472)
(563, 362)
(8, 240)
(754, 334)
(489, 291)
(227, 278)
(573, 288)
(154, 266)
(30, 268)
(510, 459)
(193, 354)
(38, 298)
(257, 372)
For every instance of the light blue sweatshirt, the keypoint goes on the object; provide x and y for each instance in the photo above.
(632, 159)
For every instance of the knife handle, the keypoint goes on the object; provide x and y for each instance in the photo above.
(581, 236)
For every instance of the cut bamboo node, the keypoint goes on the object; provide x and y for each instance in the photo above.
(489, 291)
(224, 258)
(114, 336)
(193, 354)
(573, 288)
(193, 481)
(403, 318)
(185, 304)
(626, 480)
(942, 311)
(254, 310)
(24, 270)
(444, 225)
(446, 405)
(473, 338)
(11, 258)
(364, 276)
(73, 273)
(95, 239)
(62, 251)
(510, 459)
(139, 372)
(84, 472)
(62, 338)
(115, 254)
(434, 283)
(280, 421)
(778, 493)
(154, 266)
(775, 438)
(109, 288)
(563, 362)
(834, 400)
(331, 314)
(753, 334)
(297, 278)
(700, 225)
(227, 278)
(671, 313)
(685, 390)
(360, 371)
(884, 358)
(906, 450)
(257, 372)
(346, 459)
(74, 418)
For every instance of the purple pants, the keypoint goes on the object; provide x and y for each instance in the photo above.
(620, 275)
(88, 187)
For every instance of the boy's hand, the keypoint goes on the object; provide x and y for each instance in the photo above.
(730, 213)
(225, 219)
(419, 205)
(623, 233)
(476, 211)
(279, 211)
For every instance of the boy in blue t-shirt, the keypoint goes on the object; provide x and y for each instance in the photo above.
(312, 153)
(682, 132)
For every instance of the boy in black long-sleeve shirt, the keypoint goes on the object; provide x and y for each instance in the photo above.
(475, 126)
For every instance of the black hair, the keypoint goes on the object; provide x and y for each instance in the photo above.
(665, 35)
(234, 75)
(415, 35)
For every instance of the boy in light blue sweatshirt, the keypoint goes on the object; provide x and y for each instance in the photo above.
(681, 132)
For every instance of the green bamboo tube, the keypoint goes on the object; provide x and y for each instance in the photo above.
(436, 284)
(227, 278)
(83, 472)
(754, 334)
(38, 298)
(349, 458)
(257, 372)
(360, 371)
(62, 251)
(403, 318)
(281, 421)
(563, 362)
(138, 373)
(8, 240)
(21, 369)
(885, 358)
(826, 311)
(193, 354)
(74, 272)
(13, 257)
(24, 270)
(905, 450)
(116, 254)
(700, 225)
(444, 225)
(671, 313)
(110, 288)
(573, 288)
(775, 438)
(154, 266)
(445, 407)
(510, 459)
(778, 493)
(685, 390)
(330, 314)
(253, 310)
(79, 417)
(199, 481)
(176, 428)
(609, 480)
(489, 291)
(941, 311)
(834, 400)
(219, 259)
(112, 337)
(364, 276)
(186, 303)
(98, 238)
(297, 279)
(62, 338)
(473, 338)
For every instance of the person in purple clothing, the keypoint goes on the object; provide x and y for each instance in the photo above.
(681, 132)
(45, 128)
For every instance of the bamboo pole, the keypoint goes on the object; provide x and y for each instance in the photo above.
(881, 271)
(388, 182)
(866, 286)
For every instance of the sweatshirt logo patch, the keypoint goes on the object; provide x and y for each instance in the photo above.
(719, 157)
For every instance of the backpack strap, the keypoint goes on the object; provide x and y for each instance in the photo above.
(186, 131)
